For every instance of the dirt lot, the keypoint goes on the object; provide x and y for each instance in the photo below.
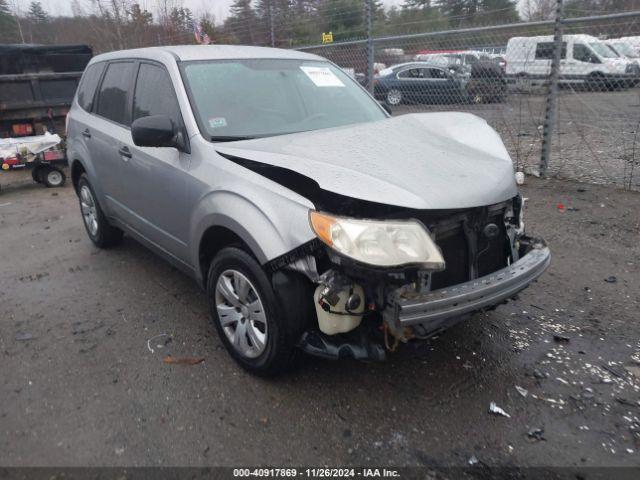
(84, 382)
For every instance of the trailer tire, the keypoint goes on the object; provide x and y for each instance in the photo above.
(36, 173)
(53, 177)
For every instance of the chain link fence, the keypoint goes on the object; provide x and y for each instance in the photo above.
(577, 89)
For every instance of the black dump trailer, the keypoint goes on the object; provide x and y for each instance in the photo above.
(37, 85)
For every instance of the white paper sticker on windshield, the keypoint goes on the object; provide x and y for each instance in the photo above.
(322, 77)
(217, 122)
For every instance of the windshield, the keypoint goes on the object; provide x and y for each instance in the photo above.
(624, 49)
(602, 50)
(235, 99)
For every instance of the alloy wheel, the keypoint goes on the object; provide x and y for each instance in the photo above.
(89, 213)
(394, 97)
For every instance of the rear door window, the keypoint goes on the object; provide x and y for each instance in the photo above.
(115, 93)
(544, 51)
(87, 89)
(412, 73)
(154, 94)
(437, 73)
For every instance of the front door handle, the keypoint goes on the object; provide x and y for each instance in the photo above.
(125, 152)
(86, 133)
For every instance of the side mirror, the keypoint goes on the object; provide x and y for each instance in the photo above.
(154, 131)
(386, 107)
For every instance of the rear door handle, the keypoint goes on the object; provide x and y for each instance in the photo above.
(125, 152)
(86, 133)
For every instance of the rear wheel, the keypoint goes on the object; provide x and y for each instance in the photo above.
(248, 315)
(100, 231)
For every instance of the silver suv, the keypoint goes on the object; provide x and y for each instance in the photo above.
(314, 221)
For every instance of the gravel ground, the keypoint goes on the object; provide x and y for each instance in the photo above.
(84, 382)
(597, 139)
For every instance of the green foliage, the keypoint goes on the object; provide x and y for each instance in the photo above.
(140, 17)
(8, 25)
(36, 14)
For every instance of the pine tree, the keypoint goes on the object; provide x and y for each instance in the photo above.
(416, 4)
(36, 14)
(8, 26)
(501, 11)
(241, 22)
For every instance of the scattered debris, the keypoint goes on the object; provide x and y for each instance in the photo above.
(611, 279)
(561, 338)
(493, 408)
(5, 204)
(473, 460)
(562, 380)
(540, 375)
(612, 370)
(522, 391)
(634, 370)
(183, 360)
(536, 434)
(158, 345)
(23, 336)
(561, 208)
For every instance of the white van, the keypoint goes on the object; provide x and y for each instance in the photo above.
(634, 42)
(624, 49)
(585, 60)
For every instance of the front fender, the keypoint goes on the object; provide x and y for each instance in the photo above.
(270, 227)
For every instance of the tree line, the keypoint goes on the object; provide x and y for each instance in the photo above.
(117, 24)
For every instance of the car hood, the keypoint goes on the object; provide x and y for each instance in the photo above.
(421, 161)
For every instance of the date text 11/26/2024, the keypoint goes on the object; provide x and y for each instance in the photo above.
(317, 472)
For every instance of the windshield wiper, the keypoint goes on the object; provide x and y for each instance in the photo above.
(230, 138)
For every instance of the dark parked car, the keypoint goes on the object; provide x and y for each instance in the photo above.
(419, 83)
(487, 83)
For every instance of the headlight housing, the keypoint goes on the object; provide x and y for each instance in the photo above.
(382, 243)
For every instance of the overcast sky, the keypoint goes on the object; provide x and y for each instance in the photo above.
(219, 8)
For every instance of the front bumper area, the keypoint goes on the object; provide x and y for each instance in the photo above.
(432, 310)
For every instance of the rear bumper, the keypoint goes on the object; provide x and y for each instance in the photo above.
(433, 309)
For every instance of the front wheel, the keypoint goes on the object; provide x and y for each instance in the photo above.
(247, 314)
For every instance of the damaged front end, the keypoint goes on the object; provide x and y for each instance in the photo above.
(409, 274)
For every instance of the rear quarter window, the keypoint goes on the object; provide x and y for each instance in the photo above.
(87, 88)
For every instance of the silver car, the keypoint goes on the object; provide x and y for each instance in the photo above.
(313, 220)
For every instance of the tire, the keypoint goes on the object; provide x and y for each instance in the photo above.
(255, 329)
(36, 174)
(393, 97)
(478, 98)
(596, 82)
(100, 231)
(53, 177)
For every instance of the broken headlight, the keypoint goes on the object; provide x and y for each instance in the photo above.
(383, 243)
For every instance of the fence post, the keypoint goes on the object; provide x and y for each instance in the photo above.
(369, 20)
(551, 113)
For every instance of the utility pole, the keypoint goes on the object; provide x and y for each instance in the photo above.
(271, 27)
(551, 113)
(369, 20)
(17, 14)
